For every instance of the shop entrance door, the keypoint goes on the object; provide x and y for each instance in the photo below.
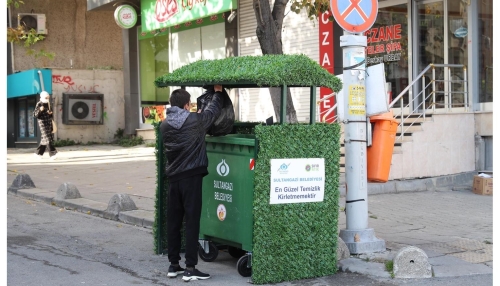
(387, 43)
(429, 46)
(440, 38)
(26, 125)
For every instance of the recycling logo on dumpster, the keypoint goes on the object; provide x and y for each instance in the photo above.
(223, 168)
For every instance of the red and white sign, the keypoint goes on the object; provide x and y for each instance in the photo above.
(355, 16)
(252, 164)
(326, 61)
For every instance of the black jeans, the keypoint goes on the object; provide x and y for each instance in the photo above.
(184, 200)
(41, 149)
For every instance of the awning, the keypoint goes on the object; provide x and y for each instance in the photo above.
(28, 83)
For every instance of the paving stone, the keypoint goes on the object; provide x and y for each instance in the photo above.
(475, 256)
(449, 266)
(442, 247)
(468, 244)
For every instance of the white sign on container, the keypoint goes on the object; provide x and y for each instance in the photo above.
(297, 180)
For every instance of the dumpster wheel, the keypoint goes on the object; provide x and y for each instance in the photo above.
(242, 266)
(212, 254)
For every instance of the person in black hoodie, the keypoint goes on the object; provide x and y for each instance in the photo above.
(184, 140)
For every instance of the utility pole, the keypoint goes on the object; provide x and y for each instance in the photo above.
(356, 17)
(357, 236)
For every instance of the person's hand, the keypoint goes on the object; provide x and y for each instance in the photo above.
(41, 108)
(218, 87)
(50, 112)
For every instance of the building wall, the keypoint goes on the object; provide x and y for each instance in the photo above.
(109, 83)
(484, 123)
(90, 39)
(88, 51)
(445, 146)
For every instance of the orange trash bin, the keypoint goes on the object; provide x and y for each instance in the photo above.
(379, 154)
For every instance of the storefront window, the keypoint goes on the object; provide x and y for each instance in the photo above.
(458, 32)
(430, 49)
(25, 119)
(22, 118)
(31, 118)
(388, 43)
(485, 50)
(153, 63)
(204, 43)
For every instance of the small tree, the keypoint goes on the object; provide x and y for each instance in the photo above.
(269, 27)
(20, 36)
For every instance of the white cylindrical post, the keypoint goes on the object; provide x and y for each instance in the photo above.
(357, 236)
(353, 50)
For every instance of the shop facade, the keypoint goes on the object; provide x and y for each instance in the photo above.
(173, 34)
(408, 36)
(22, 127)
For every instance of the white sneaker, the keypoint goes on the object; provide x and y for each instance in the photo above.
(37, 155)
(53, 157)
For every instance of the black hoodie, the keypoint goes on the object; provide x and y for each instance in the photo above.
(184, 139)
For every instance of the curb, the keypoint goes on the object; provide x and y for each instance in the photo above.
(135, 217)
(145, 219)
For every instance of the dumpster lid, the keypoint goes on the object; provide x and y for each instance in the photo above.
(234, 139)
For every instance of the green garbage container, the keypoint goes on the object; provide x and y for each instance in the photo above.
(227, 217)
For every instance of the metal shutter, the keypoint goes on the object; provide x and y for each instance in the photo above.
(299, 36)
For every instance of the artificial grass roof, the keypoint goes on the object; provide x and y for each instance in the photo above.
(253, 71)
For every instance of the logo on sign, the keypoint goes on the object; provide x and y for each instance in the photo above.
(223, 168)
(283, 169)
(165, 9)
(461, 32)
(221, 212)
(125, 16)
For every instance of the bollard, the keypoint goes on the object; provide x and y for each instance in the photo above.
(117, 204)
(412, 262)
(342, 249)
(22, 181)
(67, 191)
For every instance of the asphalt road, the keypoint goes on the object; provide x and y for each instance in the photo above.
(47, 245)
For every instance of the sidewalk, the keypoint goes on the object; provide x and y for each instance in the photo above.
(438, 215)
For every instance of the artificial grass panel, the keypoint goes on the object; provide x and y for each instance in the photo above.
(299, 240)
(262, 71)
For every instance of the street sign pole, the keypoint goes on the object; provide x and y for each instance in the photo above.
(357, 236)
(355, 17)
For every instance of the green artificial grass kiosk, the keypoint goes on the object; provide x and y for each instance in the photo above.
(282, 234)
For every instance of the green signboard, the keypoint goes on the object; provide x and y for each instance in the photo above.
(157, 14)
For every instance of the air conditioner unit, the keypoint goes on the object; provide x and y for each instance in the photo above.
(32, 21)
(82, 108)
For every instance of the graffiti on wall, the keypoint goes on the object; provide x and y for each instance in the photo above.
(70, 86)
